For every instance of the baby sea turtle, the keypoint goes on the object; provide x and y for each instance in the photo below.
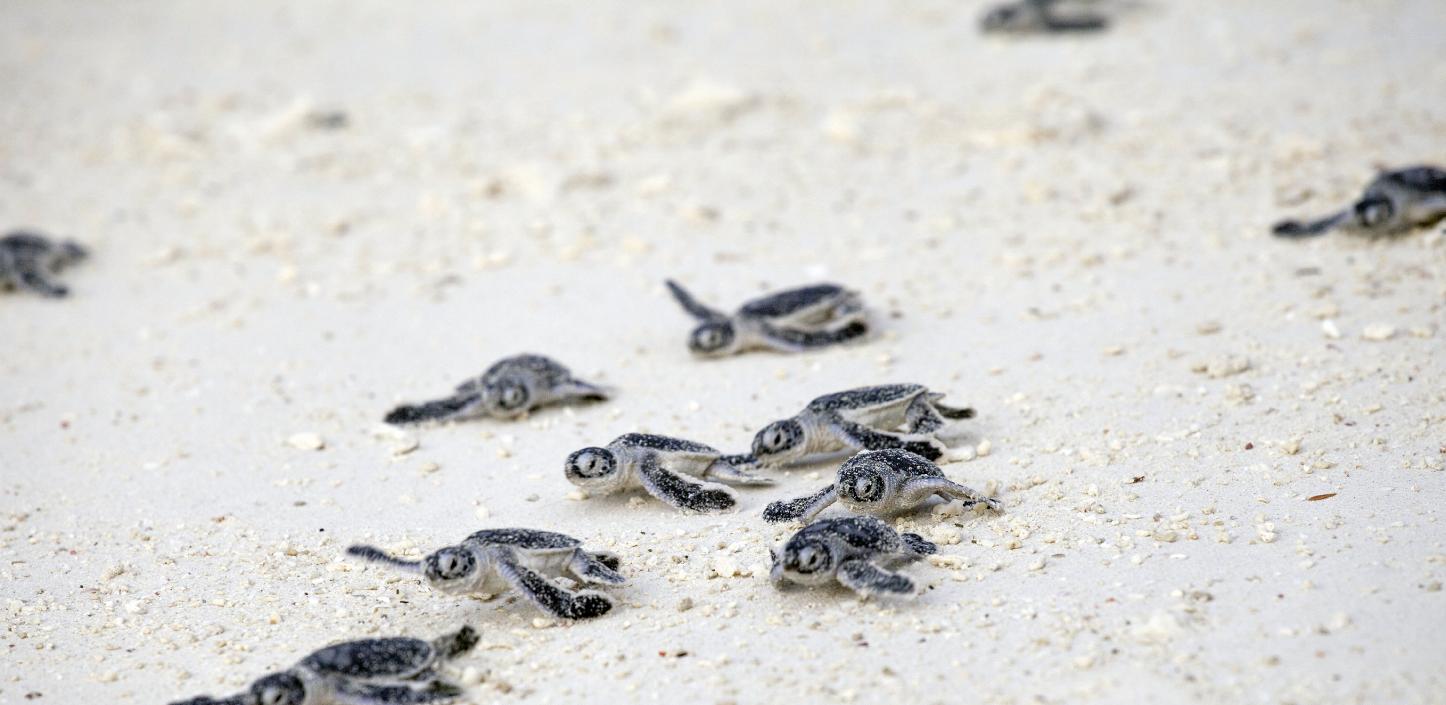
(1038, 17)
(862, 419)
(509, 388)
(882, 483)
(388, 671)
(1394, 202)
(856, 551)
(527, 560)
(27, 261)
(799, 319)
(664, 467)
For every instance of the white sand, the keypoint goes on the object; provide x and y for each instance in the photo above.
(1058, 232)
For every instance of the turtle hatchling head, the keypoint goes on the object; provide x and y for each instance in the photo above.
(712, 338)
(1372, 213)
(593, 469)
(864, 483)
(278, 689)
(451, 570)
(803, 560)
(779, 442)
(506, 397)
(1003, 18)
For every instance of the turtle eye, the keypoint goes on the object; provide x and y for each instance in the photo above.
(808, 559)
(273, 696)
(513, 397)
(864, 488)
(1373, 213)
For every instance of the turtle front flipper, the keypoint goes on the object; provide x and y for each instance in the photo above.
(353, 693)
(683, 493)
(692, 305)
(802, 509)
(918, 489)
(556, 601)
(1311, 228)
(597, 568)
(458, 406)
(32, 279)
(864, 438)
(869, 580)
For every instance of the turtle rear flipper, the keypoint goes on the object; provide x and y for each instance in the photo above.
(450, 646)
(918, 544)
(869, 580)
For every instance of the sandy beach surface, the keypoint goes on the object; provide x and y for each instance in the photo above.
(1220, 454)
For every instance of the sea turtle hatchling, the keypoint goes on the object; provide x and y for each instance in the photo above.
(794, 320)
(881, 483)
(28, 260)
(862, 419)
(1394, 202)
(1039, 17)
(387, 671)
(858, 552)
(666, 468)
(493, 560)
(509, 388)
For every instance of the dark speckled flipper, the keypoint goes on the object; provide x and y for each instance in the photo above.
(595, 568)
(692, 305)
(452, 407)
(546, 594)
(1312, 228)
(919, 545)
(864, 438)
(790, 339)
(868, 579)
(684, 493)
(436, 691)
(803, 508)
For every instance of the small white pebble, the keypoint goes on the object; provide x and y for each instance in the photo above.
(1378, 332)
(1330, 329)
(306, 441)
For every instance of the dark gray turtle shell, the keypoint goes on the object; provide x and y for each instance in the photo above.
(902, 461)
(527, 539)
(785, 302)
(392, 657)
(865, 397)
(860, 532)
(550, 371)
(666, 444)
(1422, 178)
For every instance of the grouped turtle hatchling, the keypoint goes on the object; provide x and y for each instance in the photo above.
(880, 483)
(526, 560)
(387, 671)
(674, 470)
(861, 419)
(1393, 202)
(28, 261)
(794, 320)
(1039, 17)
(508, 389)
(859, 552)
